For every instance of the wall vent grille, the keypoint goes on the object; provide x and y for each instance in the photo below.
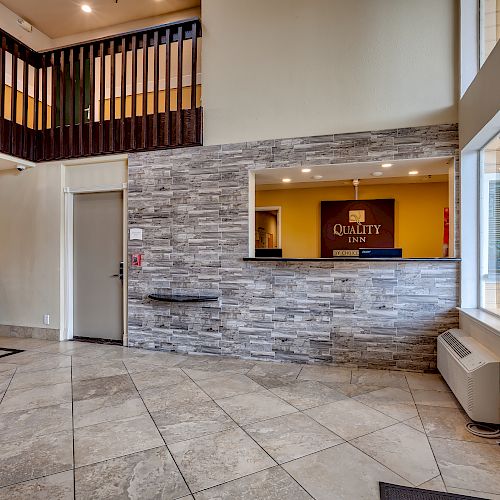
(456, 345)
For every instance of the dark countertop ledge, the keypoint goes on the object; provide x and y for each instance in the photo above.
(350, 259)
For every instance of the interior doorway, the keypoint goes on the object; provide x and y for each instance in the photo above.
(98, 265)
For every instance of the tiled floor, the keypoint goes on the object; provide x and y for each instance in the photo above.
(92, 421)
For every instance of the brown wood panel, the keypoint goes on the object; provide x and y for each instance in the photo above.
(168, 48)
(112, 113)
(194, 69)
(24, 137)
(156, 81)
(102, 95)
(180, 45)
(62, 103)
(123, 93)
(53, 99)
(71, 100)
(144, 130)
(92, 99)
(81, 98)
(44, 103)
(133, 141)
(13, 101)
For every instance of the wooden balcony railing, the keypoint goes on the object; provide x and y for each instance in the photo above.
(134, 91)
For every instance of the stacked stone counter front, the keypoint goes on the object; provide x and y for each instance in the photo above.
(192, 205)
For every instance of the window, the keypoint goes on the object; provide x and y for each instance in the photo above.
(489, 226)
(489, 27)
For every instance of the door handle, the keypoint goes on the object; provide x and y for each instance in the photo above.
(120, 273)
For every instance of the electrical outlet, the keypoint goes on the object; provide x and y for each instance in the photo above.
(46, 319)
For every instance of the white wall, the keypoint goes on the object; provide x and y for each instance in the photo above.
(30, 221)
(286, 68)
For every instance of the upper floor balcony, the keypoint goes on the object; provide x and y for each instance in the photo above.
(134, 91)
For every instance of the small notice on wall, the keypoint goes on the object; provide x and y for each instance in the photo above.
(135, 233)
(348, 225)
(136, 260)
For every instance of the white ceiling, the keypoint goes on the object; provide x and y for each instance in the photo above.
(58, 18)
(429, 170)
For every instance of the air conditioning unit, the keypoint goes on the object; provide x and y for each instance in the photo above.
(473, 373)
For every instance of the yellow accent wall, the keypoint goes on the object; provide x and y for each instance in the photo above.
(418, 215)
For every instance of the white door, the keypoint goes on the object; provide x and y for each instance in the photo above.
(97, 263)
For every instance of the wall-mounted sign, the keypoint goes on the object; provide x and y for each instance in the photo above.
(136, 260)
(349, 225)
(135, 233)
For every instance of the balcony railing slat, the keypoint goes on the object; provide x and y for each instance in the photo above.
(180, 51)
(66, 114)
(13, 103)
(168, 123)
(123, 94)
(144, 128)
(134, 93)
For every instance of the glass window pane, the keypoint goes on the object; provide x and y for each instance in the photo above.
(489, 27)
(490, 226)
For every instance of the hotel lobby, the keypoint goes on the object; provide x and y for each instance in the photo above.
(250, 250)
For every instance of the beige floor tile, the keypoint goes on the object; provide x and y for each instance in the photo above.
(269, 484)
(225, 387)
(28, 380)
(322, 373)
(190, 421)
(480, 494)
(7, 369)
(54, 487)
(27, 424)
(148, 474)
(25, 399)
(383, 378)
(36, 457)
(215, 459)
(46, 363)
(426, 381)
(270, 375)
(107, 409)
(254, 407)
(394, 402)
(99, 370)
(352, 390)
(415, 423)
(349, 418)
(305, 394)
(105, 386)
(467, 465)
(291, 436)
(435, 398)
(336, 473)
(107, 440)
(436, 484)
(158, 398)
(403, 450)
(448, 423)
(158, 377)
(145, 363)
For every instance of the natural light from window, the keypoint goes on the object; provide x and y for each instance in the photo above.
(489, 27)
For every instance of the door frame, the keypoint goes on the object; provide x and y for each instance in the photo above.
(68, 256)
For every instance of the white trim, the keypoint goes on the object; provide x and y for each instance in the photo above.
(266, 209)
(68, 324)
(251, 213)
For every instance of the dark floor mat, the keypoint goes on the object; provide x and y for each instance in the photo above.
(395, 492)
(4, 351)
(92, 340)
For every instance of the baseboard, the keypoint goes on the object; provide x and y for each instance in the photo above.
(29, 332)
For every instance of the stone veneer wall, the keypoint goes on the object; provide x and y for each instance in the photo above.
(192, 205)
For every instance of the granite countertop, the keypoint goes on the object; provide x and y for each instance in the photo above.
(353, 259)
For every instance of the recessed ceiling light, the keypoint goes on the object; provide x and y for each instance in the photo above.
(286, 180)
(86, 8)
(306, 170)
(386, 165)
(317, 177)
(377, 174)
(413, 172)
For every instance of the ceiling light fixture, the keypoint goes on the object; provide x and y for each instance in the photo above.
(317, 177)
(386, 165)
(86, 8)
(377, 174)
(413, 172)
(306, 170)
(286, 180)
